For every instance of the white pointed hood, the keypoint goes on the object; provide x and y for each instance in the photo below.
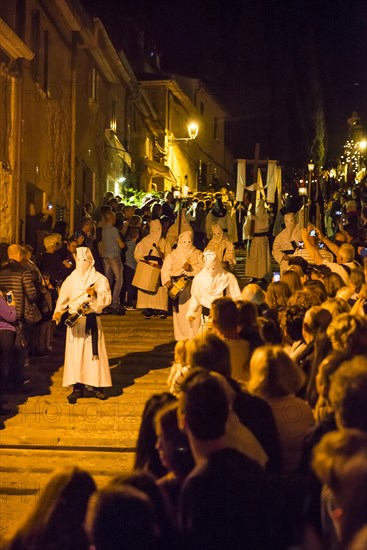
(212, 279)
(217, 232)
(155, 234)
(85, 270)
(184, 246)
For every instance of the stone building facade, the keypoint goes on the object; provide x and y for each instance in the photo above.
(76, 121)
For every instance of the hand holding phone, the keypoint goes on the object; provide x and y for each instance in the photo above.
(10, 300)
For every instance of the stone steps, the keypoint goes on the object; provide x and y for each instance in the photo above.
(23, 477)
(140, 356)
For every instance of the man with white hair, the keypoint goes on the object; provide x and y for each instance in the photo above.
(345, 255)
(86, 366)
(51, 261)
(255, 294)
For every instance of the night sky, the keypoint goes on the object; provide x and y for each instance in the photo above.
(278, 66)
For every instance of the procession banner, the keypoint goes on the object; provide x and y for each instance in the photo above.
(271, 180)
(241, 179)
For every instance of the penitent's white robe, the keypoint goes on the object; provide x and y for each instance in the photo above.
(173, 267)
(153, 244)
(284, 242)
(258, 261)
(212, 282)
(78, 363)
(223, 248)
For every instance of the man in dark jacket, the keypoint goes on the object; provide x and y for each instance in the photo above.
(221, 499)
(168, 207)
(18, 279)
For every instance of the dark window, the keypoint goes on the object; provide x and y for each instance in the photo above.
(45, 62)
(93, 85)
(113, 121)
(20, 18)
(35, 45)
(133, 121)
(215, 128)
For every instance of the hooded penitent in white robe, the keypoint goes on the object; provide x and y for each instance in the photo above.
(212, 282)
(79, 364)
(181, 225)
(220, 244)
(173, 267)
(286, 241)
(153, 245)
(258, 261)
(221, 216)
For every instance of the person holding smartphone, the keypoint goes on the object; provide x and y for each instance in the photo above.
(17, 278)
(70, 254)
(8, 317)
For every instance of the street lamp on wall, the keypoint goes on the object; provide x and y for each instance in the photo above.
(302, 190)
(193, 130)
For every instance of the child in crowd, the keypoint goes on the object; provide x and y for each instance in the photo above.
(179, 367)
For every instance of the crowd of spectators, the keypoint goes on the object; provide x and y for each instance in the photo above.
(260, 441)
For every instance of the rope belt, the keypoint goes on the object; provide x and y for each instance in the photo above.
(261, 234)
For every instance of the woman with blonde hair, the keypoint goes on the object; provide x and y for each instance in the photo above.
(292, 279)
(276, 378)
(348, 332)
(336, 306)
(333, 282)
(277, 295)
(56, 521)
(179, 367)
(340, 464)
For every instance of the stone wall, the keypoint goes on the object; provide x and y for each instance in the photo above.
(6, 203)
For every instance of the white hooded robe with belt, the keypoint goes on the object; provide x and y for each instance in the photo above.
(153, 244)
(173, 267)
(212, 282)
(79, 367)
